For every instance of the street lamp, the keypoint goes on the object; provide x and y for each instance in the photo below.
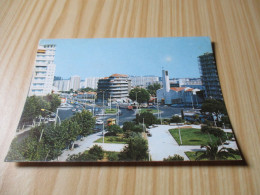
(179, 133)
(56, 115)
(136, 101)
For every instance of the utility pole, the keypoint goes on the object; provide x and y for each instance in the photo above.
(191, 100)
(103, 98)
(179, 133)
(94, 105)
(110, 102)
(157, 107)
(136, 102)
(103, 133)
(143, 124)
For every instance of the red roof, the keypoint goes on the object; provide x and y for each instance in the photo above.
(177, 88)
(92, 92)
(118, 75)
(189, 89)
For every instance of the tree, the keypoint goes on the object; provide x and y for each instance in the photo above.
(87, 89)
(32, 108)
(85, 121)
(54, 101)
(153, 88)
(136, 150)
(96, 152)
(214, 106)
(176, 119)
(138, 128)
(128, 125)
(141, 94)
(114, 129)
(213, 153)
(147, 117)
(112, 157)
(217, 132)
(132, 127)
(176, 157)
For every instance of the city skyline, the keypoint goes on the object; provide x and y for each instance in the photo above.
(132, 56)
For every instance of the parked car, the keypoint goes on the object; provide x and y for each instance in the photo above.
(99, 122)
(52, 119)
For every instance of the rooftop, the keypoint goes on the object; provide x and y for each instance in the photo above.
(119, 75)
(177, 88)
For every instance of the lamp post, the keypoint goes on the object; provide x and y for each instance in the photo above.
(117, 114)
(56, 115)
(103, 133)
(136, 101)
(191, 96)
(94, 105)
(179, 133)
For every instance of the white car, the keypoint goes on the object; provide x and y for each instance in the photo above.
(52, 119)
(99, 122)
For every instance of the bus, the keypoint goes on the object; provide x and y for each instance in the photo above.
(111, 121)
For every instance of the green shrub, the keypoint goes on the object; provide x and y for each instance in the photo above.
(96, 152)
(112, 157)
(176, 157)
(128, 126)
(176, 119)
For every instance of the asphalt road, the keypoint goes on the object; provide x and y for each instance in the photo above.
(126, 115)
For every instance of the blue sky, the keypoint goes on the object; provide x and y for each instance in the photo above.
(131, 56)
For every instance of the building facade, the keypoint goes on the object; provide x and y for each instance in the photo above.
(62, 85)
(92, 82)
(75, 82)
(43, 74)
(209, 76)
(143, 81)
(176, 95)
(115, 87)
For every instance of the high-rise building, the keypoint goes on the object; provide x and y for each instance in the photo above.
(117, 86)
(62, 85)
(143, 81)
(43, 75)
(75, 82)
(82, 84)
(209, 76)
(92, 82)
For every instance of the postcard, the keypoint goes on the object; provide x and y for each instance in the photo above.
(124, 100)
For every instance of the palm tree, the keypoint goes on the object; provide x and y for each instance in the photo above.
(213, 153)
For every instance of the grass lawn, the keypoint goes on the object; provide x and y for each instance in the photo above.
(112, 139)
(192, 156)
(191, 136)
(142, 110)
(112, 111)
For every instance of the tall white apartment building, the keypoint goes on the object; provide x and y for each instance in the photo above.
(92, 82)
(143, 81)
(75, 82)
(62, 85)
(43, 75)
